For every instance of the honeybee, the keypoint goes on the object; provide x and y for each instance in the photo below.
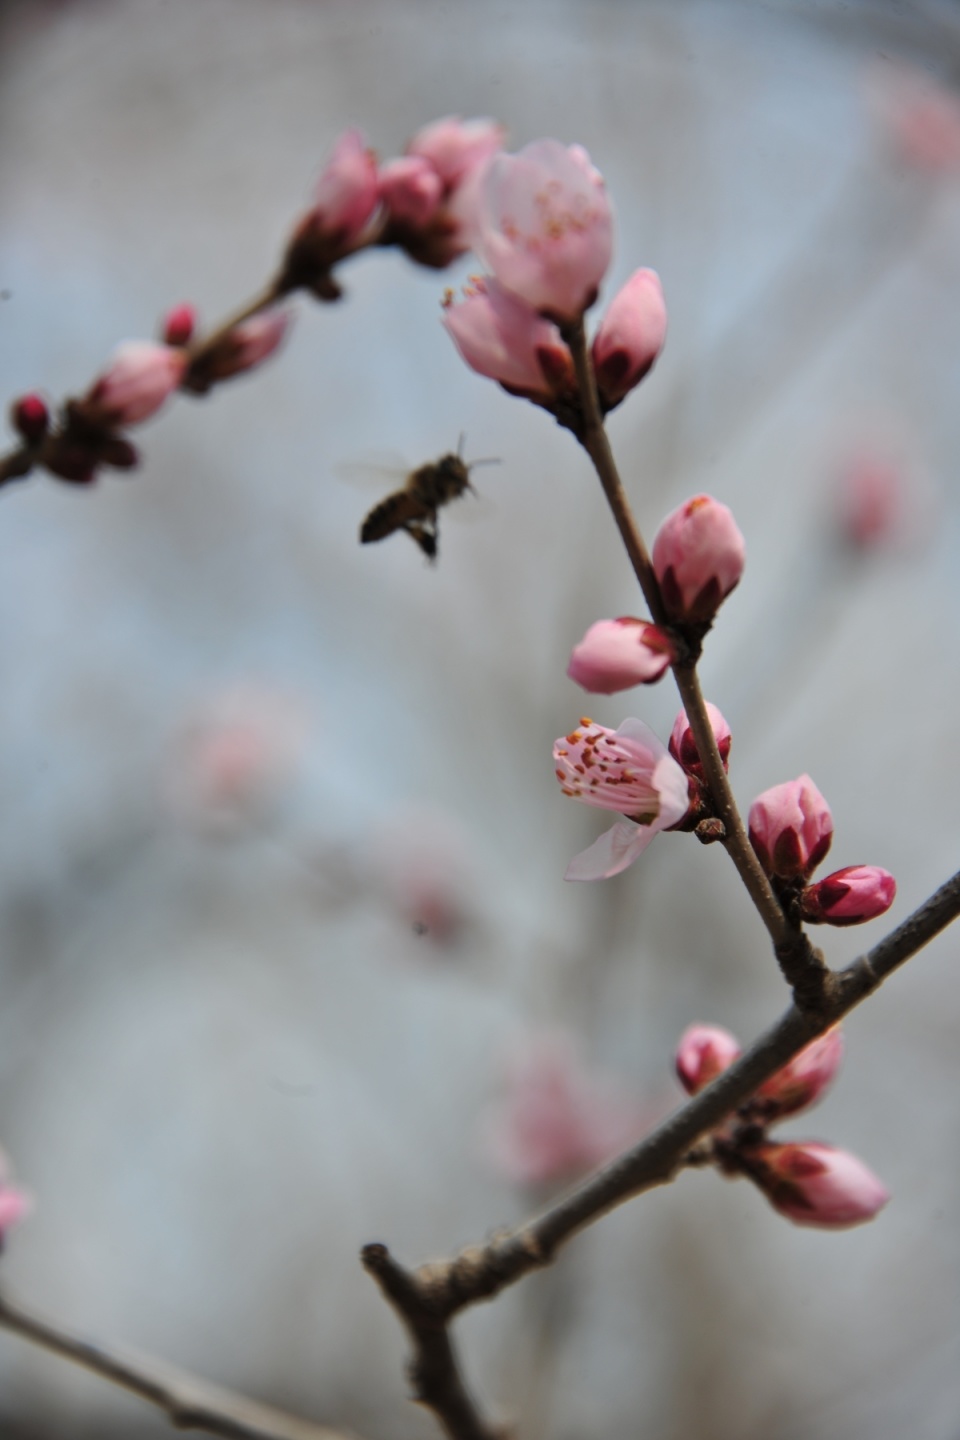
(414, 507)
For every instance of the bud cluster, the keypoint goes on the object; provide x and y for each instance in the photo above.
(791, 829)
(807, 1181)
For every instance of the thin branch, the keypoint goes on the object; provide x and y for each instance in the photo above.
(190, 1403)
(445, 1287)
(434, 1372)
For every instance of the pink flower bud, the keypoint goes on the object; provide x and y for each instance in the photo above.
(617, 654)
(803, 1079)
(626, 770)
(630, 337)
(871, 500)
(141, 377)
(179, 325)
(546, 228)
(455, 148)
(30, 417)
(791, 828)
(849, 896)
(814, 1184)
(698, 556)
(411, 190)
(503, 338)
(242, 348)
(14, 1203)
(703, 1053)
(346, 193)
(683, 747)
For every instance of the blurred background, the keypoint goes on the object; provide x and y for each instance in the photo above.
(286, 956)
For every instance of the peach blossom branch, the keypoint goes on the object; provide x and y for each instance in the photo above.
(190, 1403)
(430, 1296)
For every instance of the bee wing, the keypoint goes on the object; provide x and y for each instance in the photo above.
(384, 470)
(470, 508)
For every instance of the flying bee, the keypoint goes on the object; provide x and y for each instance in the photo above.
(414, 508)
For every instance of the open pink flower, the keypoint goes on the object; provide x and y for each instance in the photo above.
(803, 1079)
(815, 1184)
(503, 338)
(556, 1120)
(627, 770)
(849, 896)
(698, 556)
(630, 337)
(546, 228)
(791, 828)
(140, 378)
(618, 654)
(703, 1053)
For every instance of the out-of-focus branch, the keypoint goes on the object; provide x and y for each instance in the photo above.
(434, 1371)
(190, 1403)
(442, 1288)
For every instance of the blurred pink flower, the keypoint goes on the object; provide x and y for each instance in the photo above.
(501, 337)
(233, 757)
(140, 378)
(423, 860)
(630, 337)
(457, 148)
(179, 324)
(618, 654)
(628, 770)
(346, 193)
(918, 115)
(411, 189)
(546, 227)
(14, 1203)
(849, 896)
(703, 1053)
(791, 828)
(698, 555)
(815, 1184)
(556, 1121)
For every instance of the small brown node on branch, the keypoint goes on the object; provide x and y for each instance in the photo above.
(708, 832)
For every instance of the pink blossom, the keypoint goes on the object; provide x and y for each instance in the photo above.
(698, 556)
(683, 747)
(423, 859)
(849, 896)
(920, 116)
(456, 148)
(703, 1053)
(546, 228)
(179, 324)
(627, 770)
(30, 417)
(871, 500)
(815, 1184)
(791, 828)
(630, 337)
(503, 338)
(803, 1079)
(556, 1121)
(346, 193)
(411, 190)
(617, 654)
(141, 376)
(242, 348)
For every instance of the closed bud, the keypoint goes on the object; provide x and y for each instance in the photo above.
(630, 337)
(698, 557)
(803, 1079)
(703, 1053)
(791, 828)
(683, 747)
(140, 378)
(178, 325)
(849, 896)
(242, 348)
(617, 654)
(30, 418)
(817, 1185)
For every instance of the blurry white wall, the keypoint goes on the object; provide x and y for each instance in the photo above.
(227, 1056)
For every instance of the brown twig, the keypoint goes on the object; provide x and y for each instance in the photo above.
(443, 1288)
(802, 965)
(190, 1403)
